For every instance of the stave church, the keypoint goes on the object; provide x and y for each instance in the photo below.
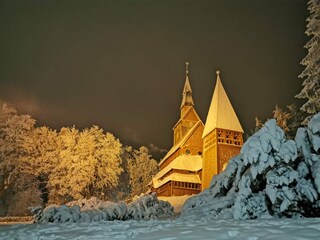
(199, 150)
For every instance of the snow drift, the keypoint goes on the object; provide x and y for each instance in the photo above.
(272, 176)
(145, 207)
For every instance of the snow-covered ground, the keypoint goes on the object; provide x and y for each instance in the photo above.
(176, 201)
(168, 230)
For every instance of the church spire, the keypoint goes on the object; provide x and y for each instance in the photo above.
(187, 92)
(221, 113)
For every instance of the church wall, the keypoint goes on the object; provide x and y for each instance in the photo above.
(225, 153)
(209, 162)
(191, 116)
(164, 190)
(219, 147)
(170, 159)
(194, 145)
(177, 133)
(184, 188)
(184, 109)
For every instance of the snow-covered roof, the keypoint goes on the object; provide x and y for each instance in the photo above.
(221, 113)
(180, 177)
(183, 140)
(183, 162)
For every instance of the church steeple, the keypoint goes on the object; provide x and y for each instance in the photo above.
(222, 135)
(221, 113)
(187, 92)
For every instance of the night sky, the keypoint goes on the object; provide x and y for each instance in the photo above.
(121, 64)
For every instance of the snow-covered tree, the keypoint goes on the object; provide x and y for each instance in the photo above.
(23, 194)
(282, 117)
(14, 129)
(258, 124)
(296, 117)
(311, 73)
(88, 164)
(42, 147)
(123, 191)
(141, 169)
(271, 176)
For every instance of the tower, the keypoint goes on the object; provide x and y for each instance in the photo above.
(180, 169)
(187, 100)
(188, 115)
(222, 135)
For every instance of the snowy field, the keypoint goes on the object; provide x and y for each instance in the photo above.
(168, 230)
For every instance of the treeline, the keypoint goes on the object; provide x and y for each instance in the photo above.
(39, 165)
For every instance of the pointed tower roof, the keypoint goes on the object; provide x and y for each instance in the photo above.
(221, 114)
(187, 92)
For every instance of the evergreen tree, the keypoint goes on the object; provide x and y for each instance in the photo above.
(258, 124)
(282, 117)
(311, 73)
(271, 176)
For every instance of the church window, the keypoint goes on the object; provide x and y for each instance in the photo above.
(221, 136)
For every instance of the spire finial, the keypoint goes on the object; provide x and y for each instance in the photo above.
(187, 68)
(218, 72)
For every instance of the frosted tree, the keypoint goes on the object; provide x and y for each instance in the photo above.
(141, 169)
(43, 148)
(282, 117)
(311, 73)
(23, 194)
(60, 189)
(122, 191)
(88, 164)
(271, 176)
(107, 161)
(14, 129)
(258, 124)
(288, 119)
(296, 118)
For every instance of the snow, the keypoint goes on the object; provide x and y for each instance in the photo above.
(94, 210)
(270, 177)
(293, 229)
(183, 162)
(176, 201)
(192, 163)
(221, 113)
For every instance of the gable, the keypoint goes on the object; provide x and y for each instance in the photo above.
(181, 143)
(191, 115)
(195, 140)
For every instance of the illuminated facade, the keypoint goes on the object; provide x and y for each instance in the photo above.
(199, 151)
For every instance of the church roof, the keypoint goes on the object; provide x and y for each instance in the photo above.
(187, 92)
(179, 177)
(221, 113)
(183, 140)
(183, 162)
(192, 163)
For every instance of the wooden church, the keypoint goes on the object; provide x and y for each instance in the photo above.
(199, 151)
